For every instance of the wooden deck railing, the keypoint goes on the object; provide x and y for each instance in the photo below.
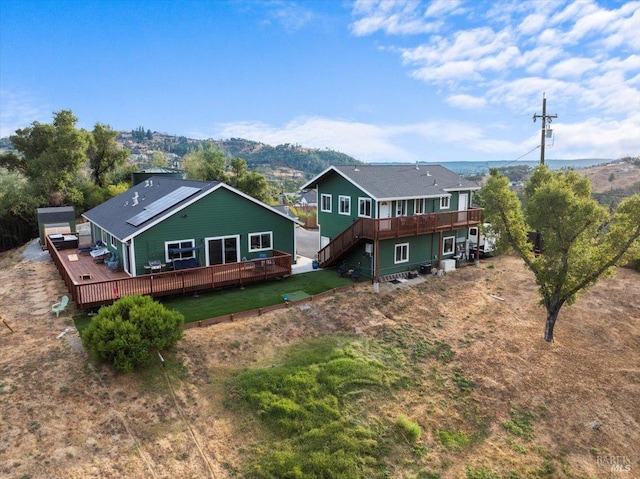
(398, 227)
(87, 295)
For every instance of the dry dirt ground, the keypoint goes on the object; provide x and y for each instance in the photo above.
(63, 417)
(624, 175)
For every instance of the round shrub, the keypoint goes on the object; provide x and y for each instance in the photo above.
(126, 333)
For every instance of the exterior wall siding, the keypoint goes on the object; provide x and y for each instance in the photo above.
(221, 213)
(332, 224)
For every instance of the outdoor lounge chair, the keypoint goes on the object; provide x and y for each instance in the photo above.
(88, 249)
(60, 306)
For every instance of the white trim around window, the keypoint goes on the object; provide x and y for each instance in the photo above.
(114, 242)
(401, 208)
(364, 207)
(448, 244)
(325, 203)
(445, 202)
(188, 243)
(261, 241)
(401, 253)
(419, 206)
(344, 205)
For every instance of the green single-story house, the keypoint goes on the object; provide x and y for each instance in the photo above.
(180, 224)
(386, 220)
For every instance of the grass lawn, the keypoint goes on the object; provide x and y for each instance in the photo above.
(215, 303)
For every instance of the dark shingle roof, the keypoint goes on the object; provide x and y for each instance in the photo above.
(385, 182)
(112, 215)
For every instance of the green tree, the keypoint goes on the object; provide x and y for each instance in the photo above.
(126, 333)
(256, 185)
(206, 164)
(104, 153)
(50, 156)
(582, 241)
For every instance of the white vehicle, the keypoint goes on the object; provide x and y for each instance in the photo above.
(484, 237)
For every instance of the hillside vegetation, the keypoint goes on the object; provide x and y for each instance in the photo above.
(444, 378)
(259, 156)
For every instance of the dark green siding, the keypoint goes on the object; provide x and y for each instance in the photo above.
(221, 213)
(332, 224)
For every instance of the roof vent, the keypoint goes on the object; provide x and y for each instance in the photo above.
(428, 174)
(355, 168)
(135, 201)
(417, 167)
(150, 182)
(146, 183)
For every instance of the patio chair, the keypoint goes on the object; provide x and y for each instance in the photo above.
(114, 263)
(355, 275)
(110, 259)
(342, 269)
(60, 306)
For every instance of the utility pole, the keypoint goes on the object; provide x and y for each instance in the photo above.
(544, 118)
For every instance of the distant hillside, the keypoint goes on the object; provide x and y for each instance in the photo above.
(258, 156)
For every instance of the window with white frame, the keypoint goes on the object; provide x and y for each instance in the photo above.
(103, 237)
(179, 245)
(113, 241)
(448, 244)
(364, 207)
(401, 208)
(325, 203)
(419, 206)
(444, 202)
(344, 205)
(401, 253)
(260, 241)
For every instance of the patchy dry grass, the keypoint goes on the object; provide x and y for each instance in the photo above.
(489, 396)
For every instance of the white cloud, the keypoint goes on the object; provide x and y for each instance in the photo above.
(363, 141)
(399, 17)
(532, 24)
(573, 67)
(595, 138)
(19, 110)
(466, 102)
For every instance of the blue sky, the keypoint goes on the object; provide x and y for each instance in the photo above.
(379, 80)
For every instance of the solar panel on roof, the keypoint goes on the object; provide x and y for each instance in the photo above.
(163, 204)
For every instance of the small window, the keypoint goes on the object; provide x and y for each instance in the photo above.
(260, 241)
(113, 241)
(448, 244)
(325, 204)
(103, 236)
(401, 253)
(401, 208)
(444, 202)
(364, 207)
(344, 205)
(419, 206)
(179, 245)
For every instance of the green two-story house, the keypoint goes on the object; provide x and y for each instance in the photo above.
(173, 223)
(391, 219)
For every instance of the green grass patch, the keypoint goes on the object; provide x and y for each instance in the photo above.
(464, 383)
(313, 403)
(258, 295)
(453, 439)
(521, 423)
(211, 304)
(410, 429)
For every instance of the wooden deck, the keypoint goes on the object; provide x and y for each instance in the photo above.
(92, 284)
(397, 227)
